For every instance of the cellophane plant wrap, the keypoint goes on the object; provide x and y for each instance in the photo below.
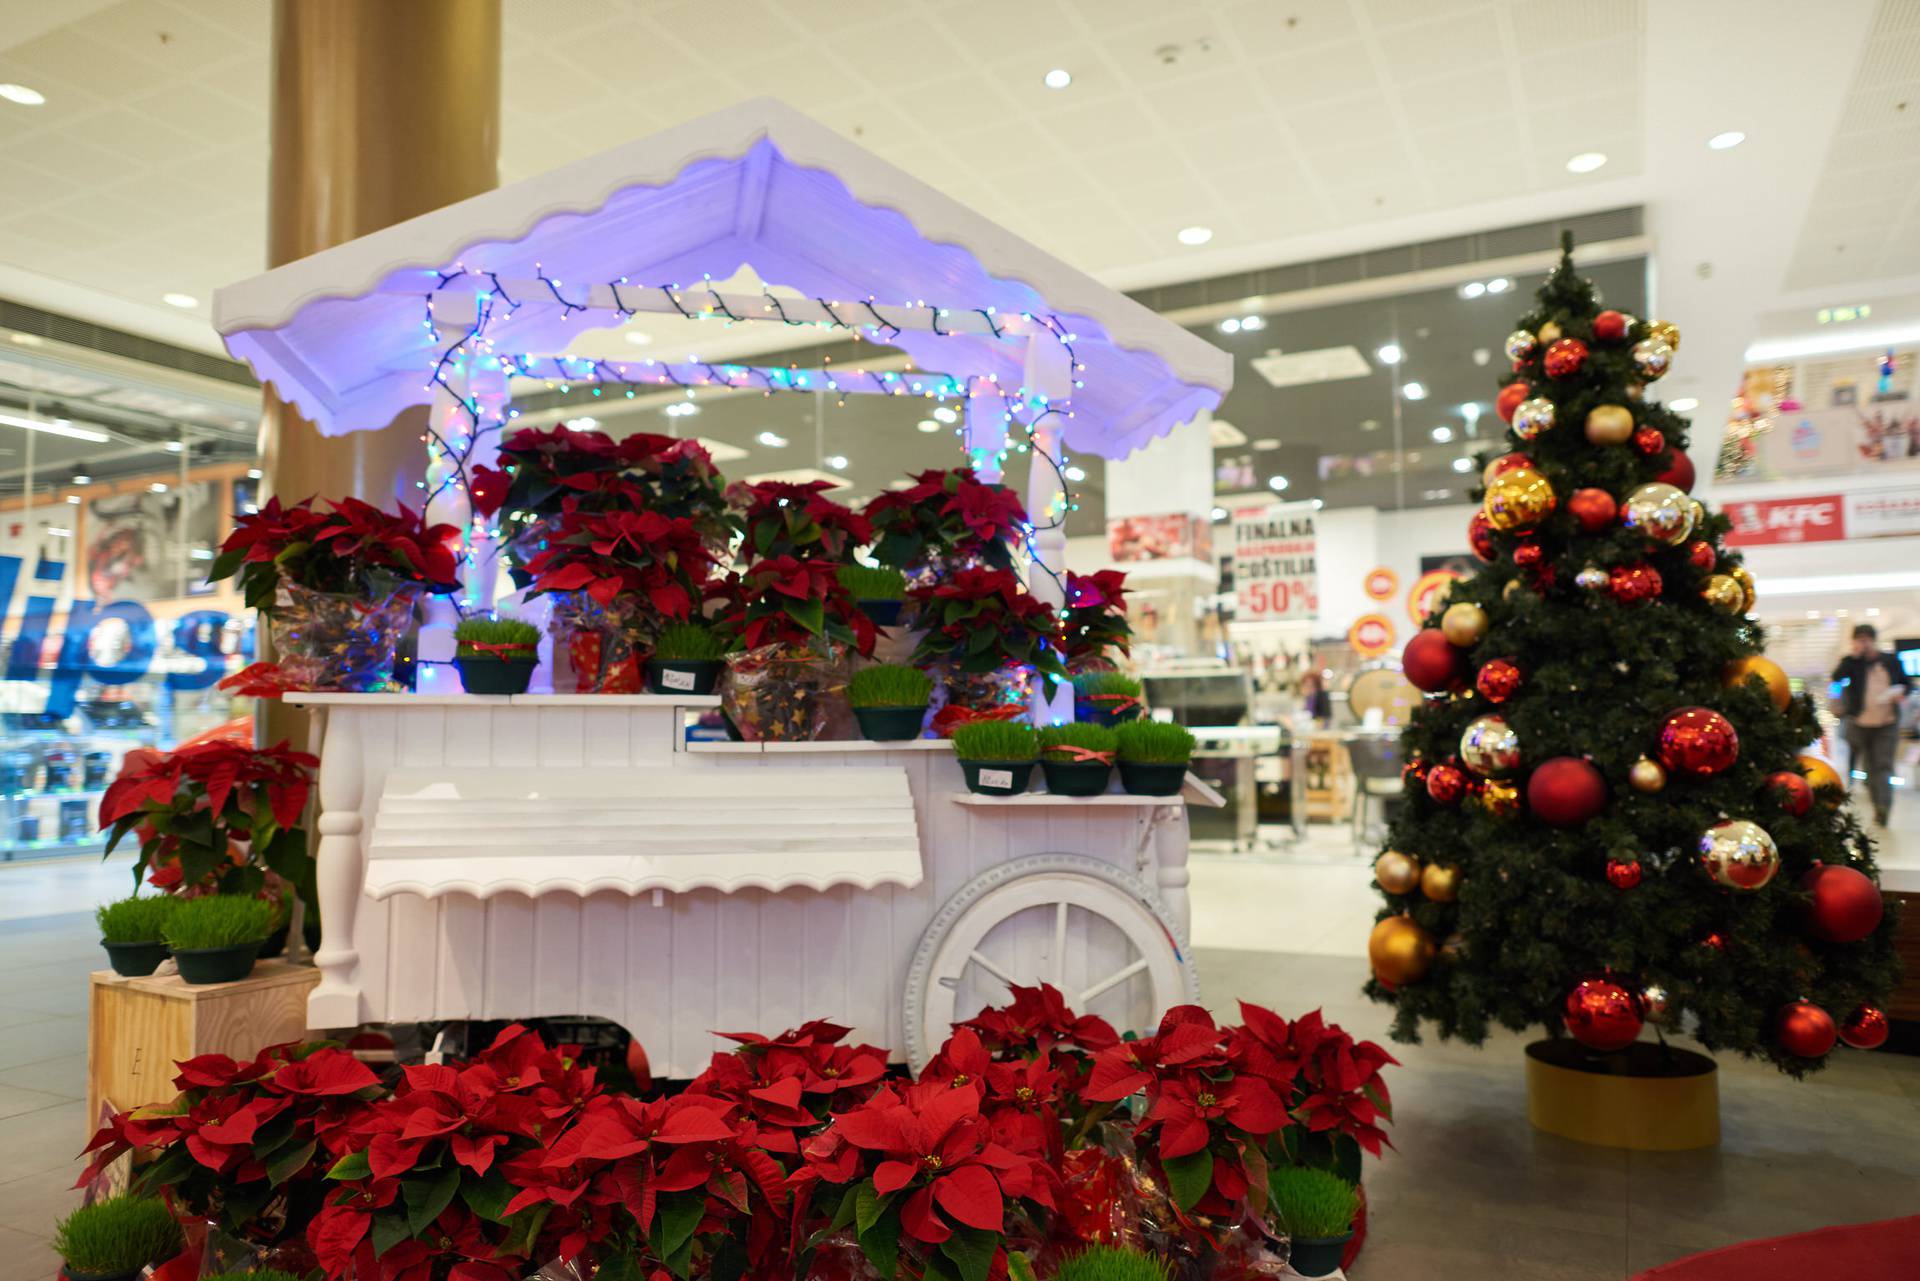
(1034, 1132)
(946, 520)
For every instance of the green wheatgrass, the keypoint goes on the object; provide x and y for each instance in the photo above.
(864, 582)
(223, 920)
(995, 741)
(889, 685)
(1155, 743)
(1086, 683)
(690, 643)
(139, 919)
(494, 631)
(119, 1234)
(1312, 1203)
(1094, 738)
(1113, 1263)
(264, 1274)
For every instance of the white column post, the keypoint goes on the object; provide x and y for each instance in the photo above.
(986, 431)
(1048, 377)
(340, 871)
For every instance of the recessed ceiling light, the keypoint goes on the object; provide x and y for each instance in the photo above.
(1195, 235)
(1473, 289)
(22, 96)
(1249, 323)
(73, 498)
(1414, 391)
(1059, 78)
(681, 409)
(1463, 464)
(1219, 513)
(1442, 434)
(928, 425)
(1390, 354)
(175, 447)
(1264, 445)
(639, 337)
(81, 478)
(1726, 141)
(157, 487)
(1499, 285)
(1586, 162)
(1277, 484)
(254, 473)
(581, 424)
(1076, 473)
(1471, 411)
(837, 461)
(946, 415)
(772, 440)
(1686, 404)
(180, 300)
(1231, 325)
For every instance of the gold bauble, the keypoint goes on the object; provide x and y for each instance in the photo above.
(1518, 498)
(1396, 873)
(1533, 416)
(1666, 331)
(1739, 855)
(1723, 593)
(1440, 884)
(1511, 590)
(1699, 510)
(1463, 624)
(1646, 775)
(1400, 951)
(1821, 776)
(1652, 358)
(1549, 333)
(1500, 798)
(1766, 669)
(1743, 576)
(1660, 511)
(1490, 747)
(1609, 424)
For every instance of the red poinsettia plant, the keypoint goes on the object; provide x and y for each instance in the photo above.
(348, 548)
(659, 564)
(1095, 627)
(789, 518)
(542, 471)
(946, 516)
(787, 600)
(218, 816)
(981, 620)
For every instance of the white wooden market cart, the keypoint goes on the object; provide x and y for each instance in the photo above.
(560, 854)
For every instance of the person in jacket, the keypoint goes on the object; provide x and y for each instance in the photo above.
(1870, 711)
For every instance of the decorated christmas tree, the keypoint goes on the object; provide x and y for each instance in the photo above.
(1609, 822)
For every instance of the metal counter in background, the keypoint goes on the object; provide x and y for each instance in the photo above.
(1214, 701)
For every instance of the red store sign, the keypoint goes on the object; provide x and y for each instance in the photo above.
(1820, 519)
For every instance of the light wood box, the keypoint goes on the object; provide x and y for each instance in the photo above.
(138, 1029)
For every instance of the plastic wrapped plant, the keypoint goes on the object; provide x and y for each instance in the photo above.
(1095, 628)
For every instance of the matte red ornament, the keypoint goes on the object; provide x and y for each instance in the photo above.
(1565, 357)
(1805, 1030)
(1649, 441)
(1633, 584)
(1698, 741)
(1611, 326)
(1846, 904)
(1623, 873)
(1679, 472)
(1497, 680)
(1865, 1028)
(1791, 789)
(1601, 1015)
(1595, 509)
(1566, 791)
(1527, 555)
(1701, 556)
(1446, 784)
(1431, 663)
(1510, 397)
(1480, 536)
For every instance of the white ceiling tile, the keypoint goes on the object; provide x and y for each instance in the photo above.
(1544, 26)
(1469, 96)
(727, 29)
(68, 54)
(1891, 59)
(1101, 124)
(1265, 28)
(1441, 48)
(1339, 71)
(1336, 126)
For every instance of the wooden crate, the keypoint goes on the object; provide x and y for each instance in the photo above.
(1906, 941)
(139, 1028)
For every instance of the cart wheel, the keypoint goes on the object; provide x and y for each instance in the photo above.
(1095, 932)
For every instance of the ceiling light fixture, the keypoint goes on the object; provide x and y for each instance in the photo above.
(1219, 513)
(157, 487)
(837, 461)
(1271, 442)
(581, 424)
(1059, 78)
(1195, 235)
(1250, 323)
(1471, 412)
(1442, 434)
(928, 426)
(176, 447)
(946, 415)
(254, 473)
(772, 440)
(1472, 289)
(1499, 285)
(22, 96)
(180, 300)
(1414, 391)
(681, 409)
(1463, 464)
(81, 478)
(1726, 141)
(1076, 473)
(1278, 484)
(1586, 162)
(1390, 354)
(1683, 405)
(74, 499)
(56, 427)
(1231, 325)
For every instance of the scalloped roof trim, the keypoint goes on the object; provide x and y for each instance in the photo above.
(632, 886)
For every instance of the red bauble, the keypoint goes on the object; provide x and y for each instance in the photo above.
(1431, 663)
(1510, 397)
(1601, 1015)
(1565, 357)
(1504, 464)
(1632, 584)
(1716, 941)
(1701, 556)
(1446, 784)
(1698, 741)
(1593, 508)
(1846, 903)
(1806, 1031)
(1623, 873)
(1497, 680)
(1648, 441)
(1480, 536)
(1566, 791)
(1527, 555)
(1611, 326)
(1865, 1028)
(1791, 789)
(1679, 472)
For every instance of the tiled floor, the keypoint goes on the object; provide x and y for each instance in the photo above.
(1470, 1191)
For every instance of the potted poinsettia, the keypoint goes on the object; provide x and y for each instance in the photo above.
(617, 577)
(985, 638)
(338, 586)
(798, 629)
(1095, 628)
(791, 518)
(944, 521)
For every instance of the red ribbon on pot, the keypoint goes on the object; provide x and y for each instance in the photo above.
(501, 649)
(952, 717)
(1121, 702)
(1082, 755)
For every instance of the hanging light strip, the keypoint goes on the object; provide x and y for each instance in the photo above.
(564, 372)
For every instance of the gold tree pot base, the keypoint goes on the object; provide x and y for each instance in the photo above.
(1646, 1098)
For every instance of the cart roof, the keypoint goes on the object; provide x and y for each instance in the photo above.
(340, 333)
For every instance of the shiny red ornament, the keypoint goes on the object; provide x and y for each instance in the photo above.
(1565, 357)
(1716, 941)
(1414, 773)
(1595, 509)
(1611, 326)
(1649, 441)
(1679, 472)
(1528, 554)
(1791, 789)
(1846, 904)
(1601, 1015)
(1431, 663)
(1623, 873)
(1446, 784)
(1510, 397)
(1566, 791)
(1698, 741)
(1504, 464)
(1865, 1028)
(1805, 1030)
(1480, 536)
(1497, 680)
(1701, 556)
(1633, 584)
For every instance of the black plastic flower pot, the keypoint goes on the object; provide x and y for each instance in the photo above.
(217, 964)
(489, 675)
(1317, 1256)
(135, 960)
(997, 778)
(73, 1275)
(883, 613)
(683, 675)
(1076, 778)
(890, 724)
(276, 943)
(1105, 712)
(1143, 778)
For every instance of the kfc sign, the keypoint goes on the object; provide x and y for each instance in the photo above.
(1787, 520)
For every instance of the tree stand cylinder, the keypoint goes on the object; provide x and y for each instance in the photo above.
(1645, 1098)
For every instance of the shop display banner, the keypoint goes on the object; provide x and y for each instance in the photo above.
(1817, 519)
(1275, 569)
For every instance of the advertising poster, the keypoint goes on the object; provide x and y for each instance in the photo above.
(1850, 415)
(1169, 537)
(1276, 574)
(134, 550)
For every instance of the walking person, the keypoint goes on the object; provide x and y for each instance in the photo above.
(1870, 710)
